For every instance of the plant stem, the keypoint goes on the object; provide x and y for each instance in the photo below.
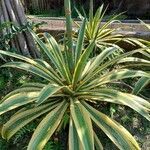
(69, 33)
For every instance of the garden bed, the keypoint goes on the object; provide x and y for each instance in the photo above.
(129, 28)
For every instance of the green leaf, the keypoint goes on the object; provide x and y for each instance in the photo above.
(20, 57)
(94, 24)
(17, 100)
(79, 46)
(48, 67)
(58, 56)
(97, 142)
(120, 74)
(29, 61)
(81, 63)
(22, 90)
(109, 95)
(99, 59)
(29, 68)
(91, 11)
(83, 125)
(109, 63)
(134, 60)
(47, 92)
(44, 48)
(117, 133)
(146, 25)
(53, 73)
(47, 127)
(55, 49)
(22, 118)
(74, 143)
(48, 51)
(115, 75)
(141, 83)
(109, 22)
(33, 85)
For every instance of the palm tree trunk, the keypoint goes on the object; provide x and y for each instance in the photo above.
(12, 11)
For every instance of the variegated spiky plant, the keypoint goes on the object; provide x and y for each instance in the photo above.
(74, 82)
(103, 33)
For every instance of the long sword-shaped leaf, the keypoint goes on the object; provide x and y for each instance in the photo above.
(47, 127)
(112, 20)
(50, 55)
(117, 133)
(143, 23)
(91, 11)
(83, 125)
(22, 90)
(20, 57)
(99, 59)
(45, 49)
(29, 68)
(134, 60)
(34, 85)
(97, 142)
(141, 83)
(55, 48)
(21, 119)
(118, 75)
(17, 100)
(53, 73)
(136, 103)
(47, 92)
(74, 143)
(112, 62)
(30, 61)
(81, 63)
(58, 56)
(80, 41)
(96, 22)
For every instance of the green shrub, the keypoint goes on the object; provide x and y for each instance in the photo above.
(3, 144)
(11, 31)
(104, 35)
(73, 84)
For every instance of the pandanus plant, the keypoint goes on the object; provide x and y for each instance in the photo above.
(74, 84)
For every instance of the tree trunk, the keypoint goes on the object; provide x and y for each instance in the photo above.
(12, 11)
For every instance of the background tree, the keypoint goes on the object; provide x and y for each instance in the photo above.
(12, 11)
(138, 8)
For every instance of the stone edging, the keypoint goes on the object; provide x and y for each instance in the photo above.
(127, 29)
